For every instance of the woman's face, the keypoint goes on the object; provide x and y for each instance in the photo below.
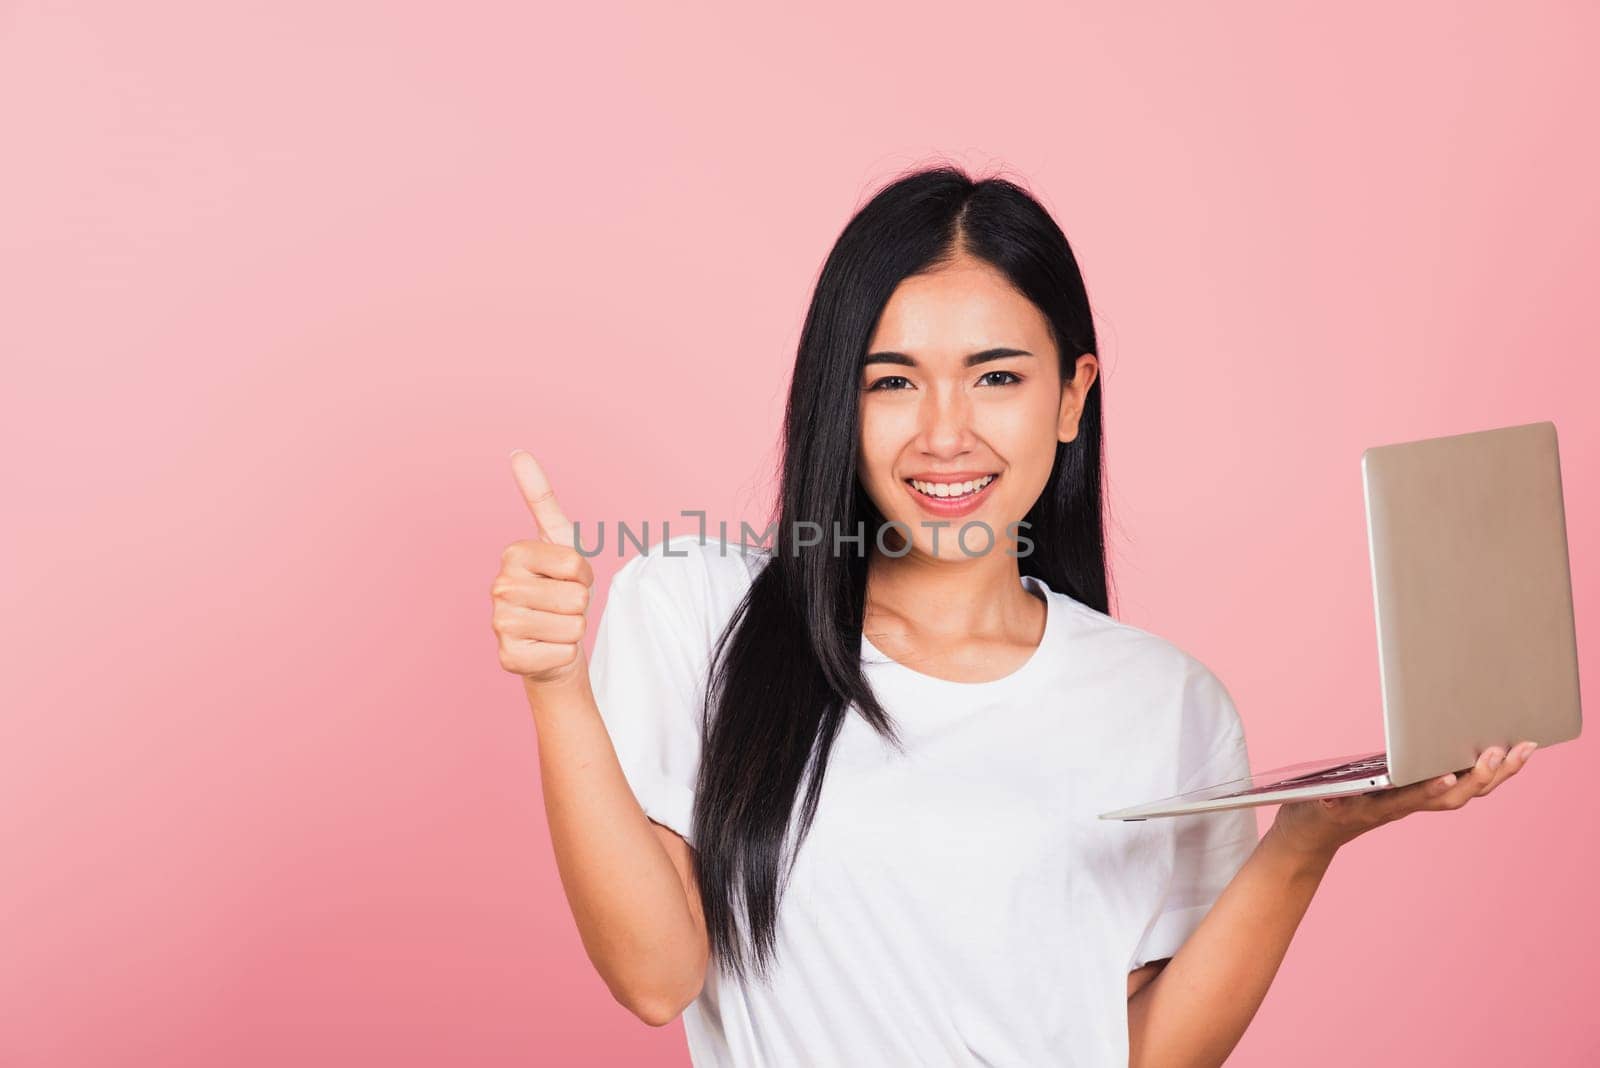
(962, 405)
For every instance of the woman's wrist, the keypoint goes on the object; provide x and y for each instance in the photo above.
(558, 695)
(1299, 857)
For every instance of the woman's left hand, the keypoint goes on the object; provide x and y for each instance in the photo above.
(1319, 827)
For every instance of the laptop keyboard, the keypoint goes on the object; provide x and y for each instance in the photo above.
(1361, 768)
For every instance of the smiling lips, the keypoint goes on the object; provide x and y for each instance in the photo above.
(951, 495)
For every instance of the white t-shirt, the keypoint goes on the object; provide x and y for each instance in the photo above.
(960, 904)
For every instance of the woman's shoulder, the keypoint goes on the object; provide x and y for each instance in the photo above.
(689, 558)
(702, 579)
(1153, 662)
(1086, 623)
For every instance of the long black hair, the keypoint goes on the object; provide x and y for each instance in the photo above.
(786, 670)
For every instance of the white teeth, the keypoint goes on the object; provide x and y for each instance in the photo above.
(951, 489)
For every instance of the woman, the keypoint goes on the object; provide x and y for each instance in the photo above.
(835, 798)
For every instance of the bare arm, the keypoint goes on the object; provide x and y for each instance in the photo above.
(629, 882)
(1140, 977)
(1193, 1011)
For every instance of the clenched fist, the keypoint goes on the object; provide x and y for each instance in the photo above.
(541, 595)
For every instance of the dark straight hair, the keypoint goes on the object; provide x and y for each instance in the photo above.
(786, 670)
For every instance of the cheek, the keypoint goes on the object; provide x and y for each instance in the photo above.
(879, 445)
(1025, 434)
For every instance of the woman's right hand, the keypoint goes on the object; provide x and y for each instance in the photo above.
(541, 595)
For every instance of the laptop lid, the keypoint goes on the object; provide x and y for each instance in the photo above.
(1472, 592)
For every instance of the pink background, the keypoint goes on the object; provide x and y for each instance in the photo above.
(282, 284)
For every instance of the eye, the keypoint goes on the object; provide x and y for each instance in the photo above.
(1011, 378)
(884, 383)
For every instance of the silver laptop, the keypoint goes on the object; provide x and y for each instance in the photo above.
(1473, 596)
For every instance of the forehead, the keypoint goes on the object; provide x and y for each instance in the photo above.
(958, 309)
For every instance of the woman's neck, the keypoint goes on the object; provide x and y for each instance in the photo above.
(963, 597)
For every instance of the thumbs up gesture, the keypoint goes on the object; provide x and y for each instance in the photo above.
(541, 595)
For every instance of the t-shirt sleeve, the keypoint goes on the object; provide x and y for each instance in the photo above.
(648, 673)
(1209, 847)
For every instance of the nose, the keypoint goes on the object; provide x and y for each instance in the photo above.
(945, 423)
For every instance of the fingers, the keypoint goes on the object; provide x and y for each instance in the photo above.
(1440, 793)
(539, 621)
(1398, 802)
(1513, 763)
(539, 608)
(532, 625)
(1470, 783)
(1493, 768)
(528, 557)
(537, 659)
(540, 498)
(543, 594)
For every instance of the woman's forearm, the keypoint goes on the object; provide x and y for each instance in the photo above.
(1197, 1007)
(627, 897)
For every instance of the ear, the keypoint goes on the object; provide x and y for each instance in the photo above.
(1074, 395)
(1067, 421)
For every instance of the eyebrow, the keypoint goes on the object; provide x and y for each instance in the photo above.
(971, 361)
